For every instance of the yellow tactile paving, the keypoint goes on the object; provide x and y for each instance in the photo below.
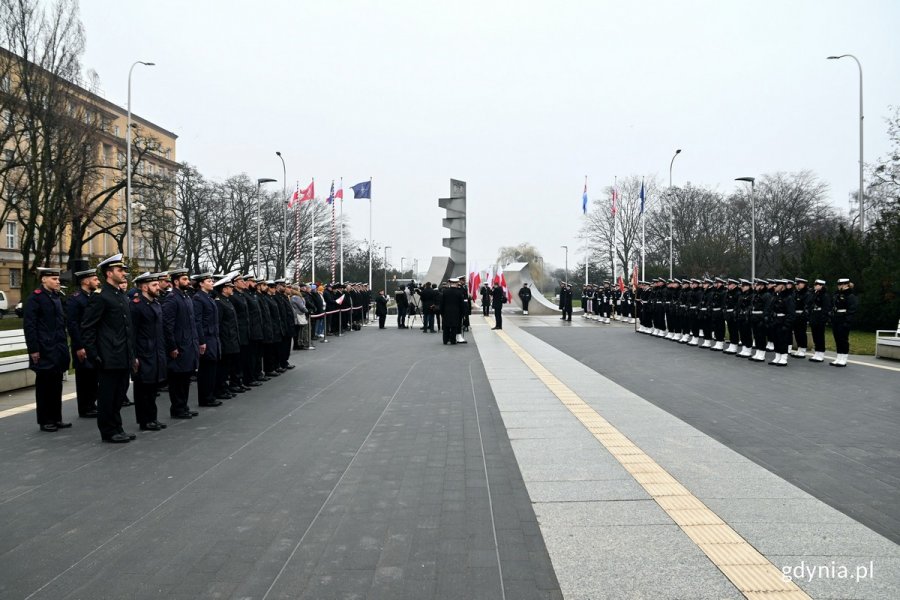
(751, 572)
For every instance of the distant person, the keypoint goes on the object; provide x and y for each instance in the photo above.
(844, 304)
(498, 299)
(381, 308)
(402, 301)
(452, 303)
(565, 301)
(485, 292)
(525, 297)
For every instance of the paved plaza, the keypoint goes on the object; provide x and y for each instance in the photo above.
(548, 460)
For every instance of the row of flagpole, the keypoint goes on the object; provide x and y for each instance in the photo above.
(615, 196)
(360, 190)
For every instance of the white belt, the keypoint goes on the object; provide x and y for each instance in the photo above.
(842, 310)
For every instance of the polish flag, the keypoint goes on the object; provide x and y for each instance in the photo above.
(295, 196)
(309, 193)
(502, 281)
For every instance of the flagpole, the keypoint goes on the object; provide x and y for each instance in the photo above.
(333, 232)
(642, 230)
(312, 204)
(342, 229)
(615, 216)
(370, 234)
(586, 253)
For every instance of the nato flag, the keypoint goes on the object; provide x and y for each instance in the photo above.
(362, 189)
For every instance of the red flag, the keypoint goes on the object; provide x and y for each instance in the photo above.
(621, 284)
(615, 195)
(309, 193)
(339, 193)
(634, 278)
(295, 196)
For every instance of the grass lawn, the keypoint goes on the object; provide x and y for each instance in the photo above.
(10, 321)
(861, 342)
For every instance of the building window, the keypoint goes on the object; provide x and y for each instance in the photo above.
(5, 84)
(15, 278)
(12, 234)
(116, 131)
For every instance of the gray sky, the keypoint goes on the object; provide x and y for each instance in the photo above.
(520, 99)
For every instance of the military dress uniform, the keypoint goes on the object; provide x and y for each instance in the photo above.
(781, 319)
(800, 319)
(182, 347)
(818, 311)
(252, 364)
(109, 340)
(743, 311)
(150, 350)
(525, 297)
(844, 305)
(240, 371)
(206, 317)
(229, 339)
(758, 309)
(85, 373)
(45, 334)
(732, 294)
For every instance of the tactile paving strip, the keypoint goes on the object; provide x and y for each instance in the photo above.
(751, 572)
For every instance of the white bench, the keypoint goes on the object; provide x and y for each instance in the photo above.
(14, 371)
(887, 343)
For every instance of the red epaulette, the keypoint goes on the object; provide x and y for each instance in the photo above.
(37, 291)
(136, 300)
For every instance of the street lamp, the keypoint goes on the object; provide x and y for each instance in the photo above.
(401, 267)
(862, 204)
(752, 181)
(567, 263)
(284, 225)
(386, 248)
(259, 182)
(128, 161)
(671, 216)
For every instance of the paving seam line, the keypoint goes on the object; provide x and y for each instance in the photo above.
(745, 567)
(18, 410)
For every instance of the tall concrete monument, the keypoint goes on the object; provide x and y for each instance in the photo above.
(443, 267)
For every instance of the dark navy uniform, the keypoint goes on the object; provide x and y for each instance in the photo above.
(85, 373)
(818, 311)
(844, 305)
(206, 317)
(257, 338)
(45, 334)
(231, 347)
(108, 337)
(150, 348)
(182, 349)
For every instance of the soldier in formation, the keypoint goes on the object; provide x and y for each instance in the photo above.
(759, 317)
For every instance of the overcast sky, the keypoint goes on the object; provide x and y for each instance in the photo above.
(520, 99)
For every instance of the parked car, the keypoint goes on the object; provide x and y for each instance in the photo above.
(4, 304)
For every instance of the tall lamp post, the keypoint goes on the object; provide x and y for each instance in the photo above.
(566, 248)
(752, 181)
(284, 225)
(128, 161)
(671, 216)
(862, 204)
(386, 248)
(259, 182)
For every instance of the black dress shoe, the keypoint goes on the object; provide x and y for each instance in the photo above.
(117, 438)
(130, 436)
(253, 384)
(193, 413)
(280, 370)
(224, 396)
(289, 366)
(211, 404)
(272, 374)
(49, 427)
(61, 425)
(265, 378)
(151, 426)
(127, 403)
(91, 414)
(186, 415)
(237, 389)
